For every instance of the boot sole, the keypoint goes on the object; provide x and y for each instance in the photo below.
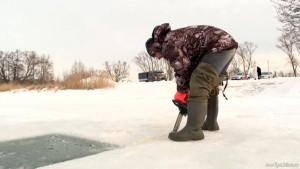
(186, 139)
(210, 129)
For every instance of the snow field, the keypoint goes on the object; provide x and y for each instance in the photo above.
(259, 124)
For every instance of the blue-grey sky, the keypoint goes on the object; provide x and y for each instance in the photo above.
(95, 31)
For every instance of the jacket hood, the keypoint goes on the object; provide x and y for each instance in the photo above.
(159, 33)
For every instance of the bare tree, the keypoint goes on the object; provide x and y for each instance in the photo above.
(78, 67)
(4, 69)
(288, 13)
(245, 52)
(15, 65)
(235, 65)
(147, 64)
(45, 69)
(287, 45)
(30, 62)
(117, 71)
(24, 66)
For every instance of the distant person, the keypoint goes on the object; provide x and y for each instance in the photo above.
(198, 54)
(258, 72)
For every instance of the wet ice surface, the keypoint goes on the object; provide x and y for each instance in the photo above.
(40, 151)
(259, 125)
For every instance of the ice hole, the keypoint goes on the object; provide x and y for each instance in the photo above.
(45, 150)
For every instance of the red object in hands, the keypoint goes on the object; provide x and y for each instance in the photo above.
(181, 96)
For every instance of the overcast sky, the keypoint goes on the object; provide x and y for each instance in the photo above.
(95, 31)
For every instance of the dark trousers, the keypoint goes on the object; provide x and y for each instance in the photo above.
(220, 60)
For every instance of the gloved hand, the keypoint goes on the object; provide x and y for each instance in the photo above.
(181, 96)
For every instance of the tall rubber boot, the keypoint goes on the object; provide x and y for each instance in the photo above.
(192, 129)
(210, 122)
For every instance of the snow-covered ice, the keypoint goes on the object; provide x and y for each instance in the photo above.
(259, 125)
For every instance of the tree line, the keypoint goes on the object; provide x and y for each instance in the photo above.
(25, 67)
(288, 13)
(28, 67)
(81, 78)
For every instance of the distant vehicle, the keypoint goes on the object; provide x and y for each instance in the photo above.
(152, 76)
(240, 76)
(267, 75)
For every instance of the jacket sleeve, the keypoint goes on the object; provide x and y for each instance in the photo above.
(181, 67)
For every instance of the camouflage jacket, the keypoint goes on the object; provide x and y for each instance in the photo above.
(185, 47)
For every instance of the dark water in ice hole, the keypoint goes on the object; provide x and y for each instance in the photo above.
(45, 150)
